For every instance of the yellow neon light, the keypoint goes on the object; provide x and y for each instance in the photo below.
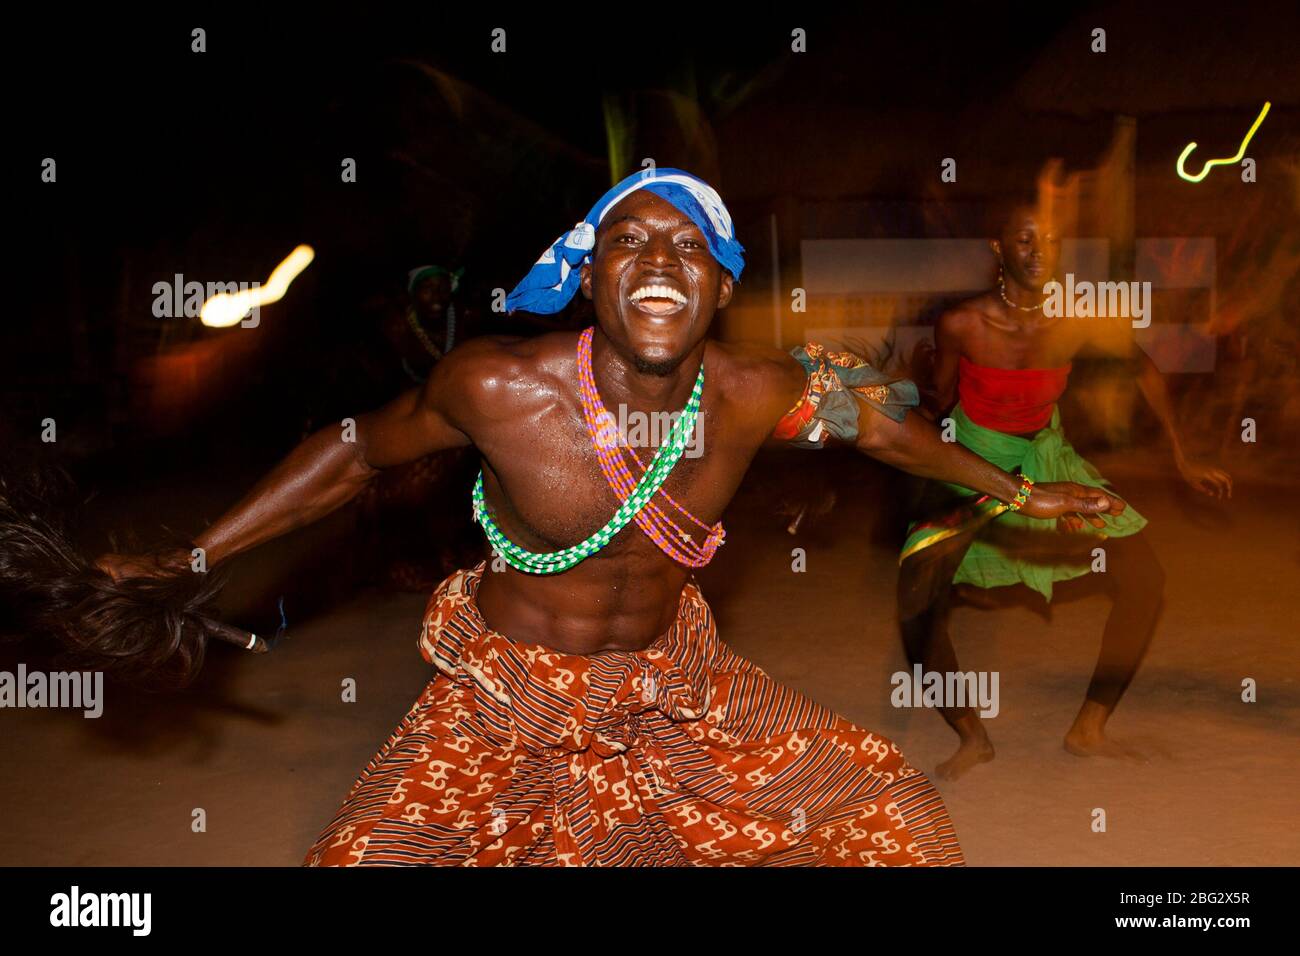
(1221, 162)
(227, 308)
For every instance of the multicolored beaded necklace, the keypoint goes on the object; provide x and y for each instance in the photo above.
(613, 454)
(635, 496)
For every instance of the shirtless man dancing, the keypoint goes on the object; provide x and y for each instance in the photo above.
(584, 710)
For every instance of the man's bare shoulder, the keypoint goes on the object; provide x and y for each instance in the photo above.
(502, 375)
(763, 381)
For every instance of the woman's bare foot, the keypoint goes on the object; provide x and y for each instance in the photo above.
(975, 748)
(1086, 745)
(1087, 737)
(969, 754)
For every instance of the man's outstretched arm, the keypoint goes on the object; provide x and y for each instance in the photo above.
(329, 468)
(915, 446)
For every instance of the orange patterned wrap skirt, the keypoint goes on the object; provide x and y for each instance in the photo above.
(681, 754)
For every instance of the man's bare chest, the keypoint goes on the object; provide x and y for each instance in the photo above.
(546, 489)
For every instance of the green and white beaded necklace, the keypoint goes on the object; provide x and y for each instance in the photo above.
(666, 457)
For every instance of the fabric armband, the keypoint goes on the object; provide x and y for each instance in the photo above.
(828, 408)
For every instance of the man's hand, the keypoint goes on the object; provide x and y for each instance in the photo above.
(914, 445)
(161, 564)
(1072, 503)
(1214, 482)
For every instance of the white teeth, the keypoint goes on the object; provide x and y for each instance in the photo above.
(658, 292)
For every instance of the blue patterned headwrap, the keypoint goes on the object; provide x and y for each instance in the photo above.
(553, 281)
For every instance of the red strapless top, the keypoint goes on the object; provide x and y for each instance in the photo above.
(1012, 400)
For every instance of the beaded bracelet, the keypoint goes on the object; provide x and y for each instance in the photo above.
(1022, 496)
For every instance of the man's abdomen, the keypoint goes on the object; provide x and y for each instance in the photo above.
(620, 601)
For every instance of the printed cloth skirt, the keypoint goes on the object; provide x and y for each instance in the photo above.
(681, 754)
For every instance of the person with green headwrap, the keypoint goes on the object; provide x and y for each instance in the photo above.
(428, 329)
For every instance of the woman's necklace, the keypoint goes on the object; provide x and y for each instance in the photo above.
(1002, 288)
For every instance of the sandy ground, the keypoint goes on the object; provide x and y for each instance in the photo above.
(266, 747)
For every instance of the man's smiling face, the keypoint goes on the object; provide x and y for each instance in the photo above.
(653, 281)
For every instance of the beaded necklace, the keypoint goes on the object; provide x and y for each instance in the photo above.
(671, 538)
(1002, 288)
(666, 457)
(413, 321)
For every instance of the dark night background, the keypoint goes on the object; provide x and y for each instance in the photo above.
(215, 165)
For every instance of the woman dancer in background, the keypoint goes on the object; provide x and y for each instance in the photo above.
(1005, 365)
